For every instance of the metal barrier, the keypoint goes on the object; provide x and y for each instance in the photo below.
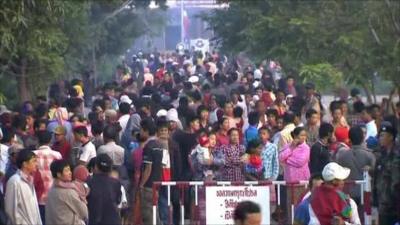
(365, 187)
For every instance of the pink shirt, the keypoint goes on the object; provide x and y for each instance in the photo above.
(295, 162)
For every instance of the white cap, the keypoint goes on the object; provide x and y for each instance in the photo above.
(172, 115)
(257, 74)
(125, 98)
(193, 79)
(333, 171)
(161, 112)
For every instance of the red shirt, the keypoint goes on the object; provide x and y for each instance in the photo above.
(222, 139)
(64, 148)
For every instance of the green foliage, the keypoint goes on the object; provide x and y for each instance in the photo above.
(355, 38)
(45, 40)
(323, 75)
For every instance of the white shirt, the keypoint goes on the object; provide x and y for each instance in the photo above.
(20, 201)
(123, 121)
(3, 158)
(372, 130)
(87, 152)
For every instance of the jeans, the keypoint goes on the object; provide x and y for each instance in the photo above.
(163, 208)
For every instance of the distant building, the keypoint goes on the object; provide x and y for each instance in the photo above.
(171, 35)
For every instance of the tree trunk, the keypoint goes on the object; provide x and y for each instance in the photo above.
(23, 87)
(373, 91)
(368, 93)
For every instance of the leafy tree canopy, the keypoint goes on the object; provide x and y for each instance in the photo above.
(355, 39)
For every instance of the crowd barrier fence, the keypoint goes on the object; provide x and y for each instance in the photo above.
(364, 184)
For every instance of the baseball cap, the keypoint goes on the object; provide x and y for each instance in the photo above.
(334, 171)
(162, 112)
(60, 130)
(389, 129)
(172, 115)
(125, 98)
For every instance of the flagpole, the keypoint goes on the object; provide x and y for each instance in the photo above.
(182, 26)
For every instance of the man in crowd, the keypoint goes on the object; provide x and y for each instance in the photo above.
(87, 150)
(387, 177)
(312, 102)
(329, 205)
(366, 116)
(247, 213)
(301, 213)
(105, 194)
(64, 204)
(358, 159)
(320, 154)
(312, 126)
(61, 144)
(187, 141)
(110, 148)
(152, 171)
(45, 156)
(21, 204)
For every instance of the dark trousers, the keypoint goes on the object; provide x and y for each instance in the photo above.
(387, 219)
(42, 213)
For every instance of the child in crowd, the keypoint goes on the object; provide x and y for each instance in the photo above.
(203, 155)
(254, 166)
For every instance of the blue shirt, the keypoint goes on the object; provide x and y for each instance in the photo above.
(301, 213)
(250, 134)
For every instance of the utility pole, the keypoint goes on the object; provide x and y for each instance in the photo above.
(182, 24)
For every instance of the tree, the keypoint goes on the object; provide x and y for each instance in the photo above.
(44, 40)
(356, 38)
(31, 41)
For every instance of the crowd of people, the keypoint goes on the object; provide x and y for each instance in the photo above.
(71, 158)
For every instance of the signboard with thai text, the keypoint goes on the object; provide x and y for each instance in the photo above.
(222, 200)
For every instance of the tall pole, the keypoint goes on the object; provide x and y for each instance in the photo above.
(182, 25)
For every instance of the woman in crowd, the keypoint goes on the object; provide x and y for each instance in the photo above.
(229, 114)
(233, 168)
(279, 103)
(295, 157)
(338, 120)
(203, 114)
(222, 132)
